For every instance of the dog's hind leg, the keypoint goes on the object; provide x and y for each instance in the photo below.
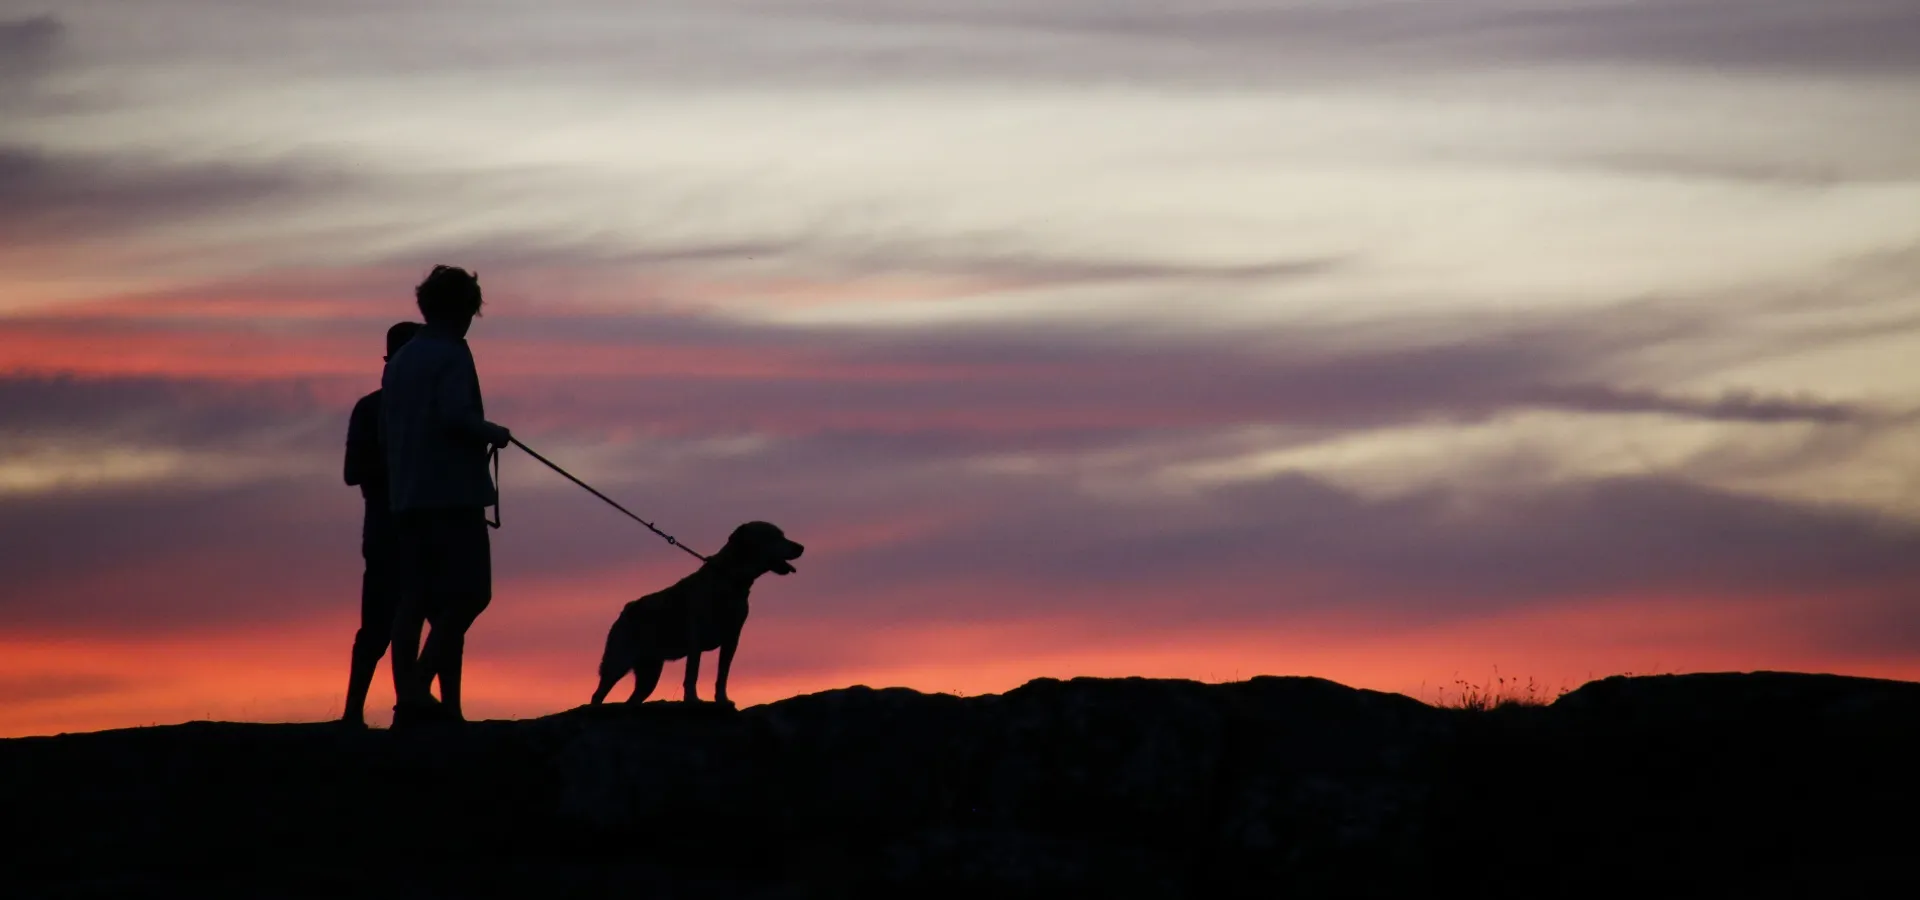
(645, 676)
(606, 686)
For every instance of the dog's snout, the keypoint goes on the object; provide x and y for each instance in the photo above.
(794, 549)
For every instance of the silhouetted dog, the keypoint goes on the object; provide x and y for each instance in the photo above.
(703, 611)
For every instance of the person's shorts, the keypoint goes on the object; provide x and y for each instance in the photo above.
(379, 587)
(445, 556)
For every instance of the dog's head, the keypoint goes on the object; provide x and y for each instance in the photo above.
(763, 547)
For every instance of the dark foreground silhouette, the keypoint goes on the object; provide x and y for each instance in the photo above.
(1761, 785)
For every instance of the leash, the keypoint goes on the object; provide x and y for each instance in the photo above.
(493, 459)
(589, 489)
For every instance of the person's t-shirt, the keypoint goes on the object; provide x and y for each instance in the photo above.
(366, 465)
(434, 427)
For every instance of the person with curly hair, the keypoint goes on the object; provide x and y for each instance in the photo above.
(438, 441)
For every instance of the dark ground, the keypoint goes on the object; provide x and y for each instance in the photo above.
(1760, 785)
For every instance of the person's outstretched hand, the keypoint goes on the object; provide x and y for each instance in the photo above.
(501, 437)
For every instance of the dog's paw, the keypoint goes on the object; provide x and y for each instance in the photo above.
(724, 703)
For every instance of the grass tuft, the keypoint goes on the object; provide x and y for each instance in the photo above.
(1497, 692)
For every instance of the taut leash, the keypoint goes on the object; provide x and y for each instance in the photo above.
(589, 489)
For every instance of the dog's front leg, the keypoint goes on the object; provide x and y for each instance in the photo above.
(720, 679)
(693, 676)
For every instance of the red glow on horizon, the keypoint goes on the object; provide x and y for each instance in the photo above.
(296, 673)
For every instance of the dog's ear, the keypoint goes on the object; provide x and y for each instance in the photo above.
(760, 544)
(773, 547)
(742, 535)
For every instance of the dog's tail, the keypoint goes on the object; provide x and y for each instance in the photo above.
(615, 660)
(617, 657)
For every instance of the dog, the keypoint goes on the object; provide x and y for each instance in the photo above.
(703, 611)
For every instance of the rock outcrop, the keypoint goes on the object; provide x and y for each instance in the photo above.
(1705, 785)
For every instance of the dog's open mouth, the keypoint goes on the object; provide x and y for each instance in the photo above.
(780, 566)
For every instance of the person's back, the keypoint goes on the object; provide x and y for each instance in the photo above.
(437, 437)
(366, 468)
(435, 429)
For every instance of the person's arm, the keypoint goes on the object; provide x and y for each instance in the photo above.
(458, 401)
(363, 444)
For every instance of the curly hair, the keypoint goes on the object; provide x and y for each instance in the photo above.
(448, 293)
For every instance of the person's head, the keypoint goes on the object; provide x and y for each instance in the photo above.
(449, 297)
(399, 335)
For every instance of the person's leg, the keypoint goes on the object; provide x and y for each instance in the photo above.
(410, 681)
(466, 581)
(446, 649)
(378, 603)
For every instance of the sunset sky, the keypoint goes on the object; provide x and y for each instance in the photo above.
(1389, 341)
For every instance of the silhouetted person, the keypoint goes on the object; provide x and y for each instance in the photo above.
(380, 584)
(437, 439)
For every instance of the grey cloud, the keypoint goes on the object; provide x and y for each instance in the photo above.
(1031, 546)
(1001, 257)
(1760, 33)
(1076, 41)
(28, 47)
(285, 417)
(1294, 544)
(1732, 406)
(1783, 173)
(46, 198)
(965, 391)
(34, 48)
(1040, 381)
(1149, 40)
(1838, 34)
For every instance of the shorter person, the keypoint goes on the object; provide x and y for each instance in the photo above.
(366, 468)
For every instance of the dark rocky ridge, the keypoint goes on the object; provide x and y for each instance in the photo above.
(1749, 785)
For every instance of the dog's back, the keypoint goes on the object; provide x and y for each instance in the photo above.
(653, 626)
(617, 657)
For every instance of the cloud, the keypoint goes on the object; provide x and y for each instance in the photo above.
(157, 556)
(1771, 34)
(1038, 381)
(28, 689)
(1732, 406)
(182, 373)
(1296, 545)
(1875, 34)
(896, 539)
(56, 199)
(27, 48)
(152, 410)
(841, 42)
